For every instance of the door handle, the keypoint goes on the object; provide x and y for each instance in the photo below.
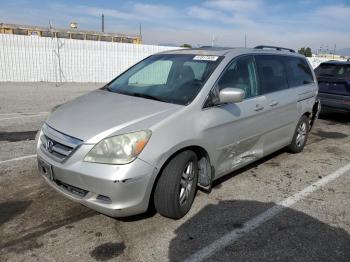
(273, 103)
(258, 108)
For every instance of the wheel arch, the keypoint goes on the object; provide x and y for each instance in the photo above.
(206, 173)
(205, 177)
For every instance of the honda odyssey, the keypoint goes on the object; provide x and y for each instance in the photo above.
(176, 121)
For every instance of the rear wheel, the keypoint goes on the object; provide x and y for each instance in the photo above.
(300, 135)
(176, 187)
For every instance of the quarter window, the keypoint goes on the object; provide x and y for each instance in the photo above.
(298, 71)
(241, 74)
(272, 73)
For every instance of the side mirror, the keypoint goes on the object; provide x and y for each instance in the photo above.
(231, 95)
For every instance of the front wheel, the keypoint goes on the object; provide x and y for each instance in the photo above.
(176, 187)
(300, 135)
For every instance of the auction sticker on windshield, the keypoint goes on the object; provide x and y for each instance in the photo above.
(205, 57)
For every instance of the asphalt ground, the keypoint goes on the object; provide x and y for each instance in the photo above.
(285, 207)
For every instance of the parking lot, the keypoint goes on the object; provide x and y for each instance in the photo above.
(285, 207)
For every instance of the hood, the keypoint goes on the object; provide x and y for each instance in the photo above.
(100, 113)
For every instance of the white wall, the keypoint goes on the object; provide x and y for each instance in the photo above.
(32, 59)
(315, 61)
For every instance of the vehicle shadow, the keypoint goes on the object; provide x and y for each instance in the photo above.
(216, 185)
(10, 209)
(336, 117)
(290, 236)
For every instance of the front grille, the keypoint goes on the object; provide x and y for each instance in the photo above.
(56, 144)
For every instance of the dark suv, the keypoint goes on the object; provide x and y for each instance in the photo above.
(334, 85)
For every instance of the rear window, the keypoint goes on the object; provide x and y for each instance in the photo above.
(333, 70)
(298, 71)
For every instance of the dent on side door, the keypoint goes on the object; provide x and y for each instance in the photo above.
(236, 133)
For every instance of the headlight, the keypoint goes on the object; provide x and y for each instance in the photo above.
(119, 150)
(37, 137)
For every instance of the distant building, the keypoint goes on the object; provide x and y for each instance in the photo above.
(67, 33)
(331, 56)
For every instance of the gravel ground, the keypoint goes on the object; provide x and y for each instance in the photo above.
(38, 224)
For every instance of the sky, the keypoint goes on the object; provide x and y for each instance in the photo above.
(314, 23)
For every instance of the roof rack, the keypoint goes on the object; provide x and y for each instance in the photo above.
(214, 47)
(274, 47)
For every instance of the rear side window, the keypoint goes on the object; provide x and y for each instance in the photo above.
(272, 73)
(298, 71)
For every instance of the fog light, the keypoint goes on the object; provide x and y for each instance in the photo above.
(103, 198)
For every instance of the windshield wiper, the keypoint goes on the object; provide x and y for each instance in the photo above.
(143, 96)
(106, 87)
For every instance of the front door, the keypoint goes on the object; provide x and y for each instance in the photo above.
(236, 130)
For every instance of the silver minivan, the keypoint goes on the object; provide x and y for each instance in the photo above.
(174, 121)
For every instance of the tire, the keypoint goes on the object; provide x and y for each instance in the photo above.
(174, 194)
(301, 134)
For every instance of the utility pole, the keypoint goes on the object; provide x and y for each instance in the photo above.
(335, 46)
(103, 23)
(245, 40)
(140, 32)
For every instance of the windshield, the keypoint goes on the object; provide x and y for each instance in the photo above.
(171, 78)
(341, 71)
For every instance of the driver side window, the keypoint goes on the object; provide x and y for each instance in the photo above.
(241, 74)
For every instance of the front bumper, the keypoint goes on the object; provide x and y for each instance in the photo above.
(114, 190)
(337, 102)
